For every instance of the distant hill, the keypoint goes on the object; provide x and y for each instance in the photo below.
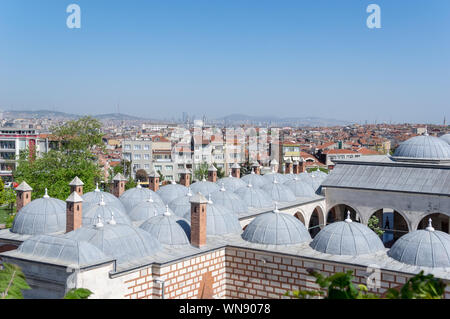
(46, 114)
(235, 119)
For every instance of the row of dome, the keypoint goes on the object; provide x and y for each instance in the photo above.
(48, 215)
(125, 243)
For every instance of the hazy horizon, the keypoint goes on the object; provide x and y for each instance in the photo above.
(156, 59)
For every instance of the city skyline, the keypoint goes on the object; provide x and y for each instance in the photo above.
(157, 60)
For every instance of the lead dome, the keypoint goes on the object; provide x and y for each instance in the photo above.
(168, 229)
(276, 228)
(254, 179)
(106, 212)
(278, 192)
(229, 200)
(254, 197)
(145, 210)
(446, 138)
(44, 215)
(423, 148)
(95, 197)
(300, 188)
(204, 187)
(424, 247)
(171, 191)
(231, 183)
(137, 195)
(347, 238)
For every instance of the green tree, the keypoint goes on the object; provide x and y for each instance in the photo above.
(246, 168)
(141, 175)
(79, 293)
(55, 169)
(12, 282)
(374, 224)
(131, 183)
(201, 172)
(419, 287)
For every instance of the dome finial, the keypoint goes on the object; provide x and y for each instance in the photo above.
(112, 221)
(348, 219)
(222, 189)
(167, 213)
(96, 188)
(204, 179)
(229, 175)
(430, 225)
(150, 199)
(46, 194)
(99, 223)
(189, 193)
(209, 199)
(275, 180)
(249, 184)
(172, 181)
(276, 208)
(139, 185)
(102, 201)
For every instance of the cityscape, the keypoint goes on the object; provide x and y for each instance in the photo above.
(213, 176)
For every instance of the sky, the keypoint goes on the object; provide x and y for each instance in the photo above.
(159, 58)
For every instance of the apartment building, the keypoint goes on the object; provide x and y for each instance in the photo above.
(139, 153)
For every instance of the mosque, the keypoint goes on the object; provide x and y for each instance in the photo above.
(245, 237)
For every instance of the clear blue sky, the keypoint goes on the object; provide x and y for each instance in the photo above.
(216, 57)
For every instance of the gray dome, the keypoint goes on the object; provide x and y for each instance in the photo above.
(426, 248)
(229, 200)
(219, 220)
(204, 187)
(319, 173)
(59, 249)
(300, 188)
(446, 138)
(272, 176)
(145, 210)
(137, 195)
(347, 238)
(168, 229)
(231, 183)
(254, 197)
(276, 228)
(171, 191)
(106, 212)
(41, 216)
(423, 147)
(254, 179)
(279, 192)
(290, 176)
(122, 242)
(316, 181)
(181, 205)
(95, 197)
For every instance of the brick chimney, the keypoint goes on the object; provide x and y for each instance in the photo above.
(212, 174)
(256, 168)
(236, 170)
(185, 177)
(198, 220)
(118, 185)
(288, 166)
(153, 181)
(302, 165)
(74, 212)
(76, 185)
(23, 196)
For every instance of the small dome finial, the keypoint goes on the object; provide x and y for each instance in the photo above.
(46, 194)
(222, 189)
(348, 219)
(204, 179)
(102, 201)
(172, 181)
(167, 213)
(150, 199)
(139, 185)
(99, 223)
(276, 208)
(275, 180)
(430, 225)
(112, 221)
(249, 184)
(229, 175)
(96, 188)
(209, 199)
(189, 193)
(253, 171)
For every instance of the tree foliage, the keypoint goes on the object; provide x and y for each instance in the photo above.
(340, 286)
(374, 224)
(12, 282)
(141, 175)
(74, 157)
(80, 293)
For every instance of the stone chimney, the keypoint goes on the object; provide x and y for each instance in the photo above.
(212, 174)
(256, 168)
(288, 166)
(198, 220)
(185, 177)
(236, 170)
(76, 185)
(23, 196)
(118, 185)
(153, 181)
(74, 212)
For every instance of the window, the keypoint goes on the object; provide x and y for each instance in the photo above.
(137, 147)
(146, 157)
(169, 168)
(137, 157)
(127, 147)
(158, 167)
(146, 147)
(146, 166)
